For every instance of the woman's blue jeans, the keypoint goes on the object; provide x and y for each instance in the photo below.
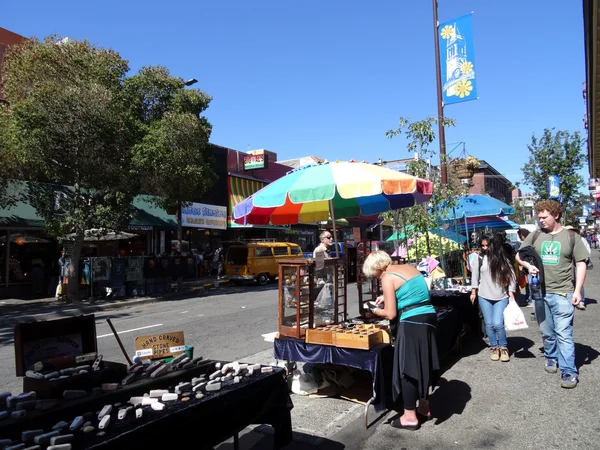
(493, 316)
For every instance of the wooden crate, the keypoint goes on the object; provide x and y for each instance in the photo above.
(363, 337)
(321, 335)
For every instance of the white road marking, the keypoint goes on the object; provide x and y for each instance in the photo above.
(72, 309)
(200, 315)
(133, 329)
(183, 312)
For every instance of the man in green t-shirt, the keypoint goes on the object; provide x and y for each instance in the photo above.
(558, 250)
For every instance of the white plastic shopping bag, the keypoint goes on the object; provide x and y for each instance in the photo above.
(514, 318)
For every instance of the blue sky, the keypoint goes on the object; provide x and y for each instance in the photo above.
(329, 78)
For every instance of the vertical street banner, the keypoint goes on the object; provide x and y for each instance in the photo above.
(553, 186)
(586, 211)
(457, 62)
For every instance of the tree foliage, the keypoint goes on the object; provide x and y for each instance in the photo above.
(91, 137)
(420, 135)
(555, 153)
(173, 157)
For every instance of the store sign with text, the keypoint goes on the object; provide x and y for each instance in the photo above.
(253, 162)
(199, 215)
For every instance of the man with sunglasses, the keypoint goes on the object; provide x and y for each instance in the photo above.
(326, 241)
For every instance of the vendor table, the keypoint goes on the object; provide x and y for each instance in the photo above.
(378, 360)
(468, 313)
(262, 398)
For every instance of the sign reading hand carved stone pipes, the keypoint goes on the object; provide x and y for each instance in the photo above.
(161, 345)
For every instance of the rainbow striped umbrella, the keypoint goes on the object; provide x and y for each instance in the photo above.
(337, 189)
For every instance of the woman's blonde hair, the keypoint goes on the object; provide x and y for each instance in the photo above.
(376, 262)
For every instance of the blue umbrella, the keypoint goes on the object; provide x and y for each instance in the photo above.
(486, 222)
(477, 205)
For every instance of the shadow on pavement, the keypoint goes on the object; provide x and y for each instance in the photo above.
(260, 438)
(519, 347)
(584, 354)
(449, 398)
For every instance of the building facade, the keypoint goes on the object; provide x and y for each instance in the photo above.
(488, 180)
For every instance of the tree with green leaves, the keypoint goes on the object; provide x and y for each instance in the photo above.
(81, 126)
(173, 157)
(555, 153)
(420, 135)
(68, 117)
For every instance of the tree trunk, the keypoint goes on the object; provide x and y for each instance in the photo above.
(179, 228)
(179, 239)
(73, 272)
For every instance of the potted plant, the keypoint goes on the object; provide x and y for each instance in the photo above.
(465, 168)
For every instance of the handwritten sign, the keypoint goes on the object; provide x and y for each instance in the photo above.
(161, 345)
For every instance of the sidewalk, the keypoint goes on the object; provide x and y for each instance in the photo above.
(188, 288)
(478, 404)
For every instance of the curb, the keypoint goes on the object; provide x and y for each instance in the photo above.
(199, 291)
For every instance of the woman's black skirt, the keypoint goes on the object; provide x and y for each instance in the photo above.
(416, 354)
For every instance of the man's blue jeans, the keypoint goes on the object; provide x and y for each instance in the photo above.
(554, 314)
(493, 316)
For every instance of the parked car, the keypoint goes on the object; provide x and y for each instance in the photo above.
(257, 261)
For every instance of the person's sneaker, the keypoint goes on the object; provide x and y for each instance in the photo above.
(568, 381)
(495, 355)
(551, 366)
(504, 354)
(580, 306)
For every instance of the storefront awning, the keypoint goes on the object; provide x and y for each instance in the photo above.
(148, 216)
(22, 215)
(240, 188)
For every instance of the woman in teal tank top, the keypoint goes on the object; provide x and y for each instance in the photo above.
(406, 299)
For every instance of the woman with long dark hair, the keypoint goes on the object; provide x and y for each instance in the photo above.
(494, 282)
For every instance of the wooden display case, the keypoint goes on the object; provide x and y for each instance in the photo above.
(311, 294)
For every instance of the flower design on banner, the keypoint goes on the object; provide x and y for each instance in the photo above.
(463, 88)
(447, 32)
(466, 67)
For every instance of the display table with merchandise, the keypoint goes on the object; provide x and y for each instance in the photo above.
(378, 360)
(196, 422)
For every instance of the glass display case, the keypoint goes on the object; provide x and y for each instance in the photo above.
(312, 293)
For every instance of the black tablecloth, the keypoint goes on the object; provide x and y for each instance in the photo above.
(468, 313)
(200, 424)
(260, 400)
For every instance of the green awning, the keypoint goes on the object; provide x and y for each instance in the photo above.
(150, 216)
(23, 215)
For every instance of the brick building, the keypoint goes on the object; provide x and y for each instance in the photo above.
(488, 180)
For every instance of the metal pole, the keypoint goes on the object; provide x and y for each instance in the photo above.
(331, 213)
(438, 76)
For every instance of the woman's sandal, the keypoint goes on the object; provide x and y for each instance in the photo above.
(396, 423)
(423, 417)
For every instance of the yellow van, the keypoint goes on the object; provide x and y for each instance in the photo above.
(258, 260)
